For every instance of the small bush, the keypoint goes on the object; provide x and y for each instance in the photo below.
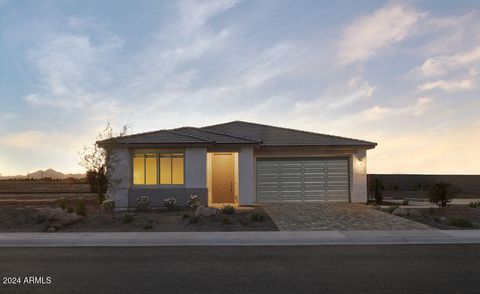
(147, 227)
(142, 203)
(226, 221)
(405, 202)
(62, 203)
(228, 209)
(80, 208)
(186, 215)
(391, 209)
(257, 216)
(127, 218)
(442, 193)
(170, 203)
(377, 190)
(475, 204)
(194, 202)
(462, 222)
(437, 219)
(40, 219)
(108, 205)
(69, 209)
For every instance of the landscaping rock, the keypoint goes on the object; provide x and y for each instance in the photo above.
(414, 212)
(443, 219)
(206, 211)
(400, 211)
(51, 229)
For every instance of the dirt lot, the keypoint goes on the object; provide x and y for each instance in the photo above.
(457, 217)
(29, 220)
(42, 193)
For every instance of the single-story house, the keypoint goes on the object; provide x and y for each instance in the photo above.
(239, 163)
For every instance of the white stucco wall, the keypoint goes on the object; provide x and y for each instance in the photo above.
(195, 168)
(120, 176)
(358, 177)
(246, 172)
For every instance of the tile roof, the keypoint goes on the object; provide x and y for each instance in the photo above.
(240, 132)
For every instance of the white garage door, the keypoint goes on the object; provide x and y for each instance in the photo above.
(302, 179)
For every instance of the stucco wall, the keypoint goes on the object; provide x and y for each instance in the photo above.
(195, 168)
(246, 168)
(120, 177)
(358, 177)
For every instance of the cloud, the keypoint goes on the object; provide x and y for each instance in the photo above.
(449, 86)
(443, 64)
(379, 113)
(372, 33)
(195, 13)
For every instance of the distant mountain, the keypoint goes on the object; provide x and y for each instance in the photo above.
(41, 174)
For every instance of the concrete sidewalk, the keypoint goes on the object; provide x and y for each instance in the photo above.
(286, 238)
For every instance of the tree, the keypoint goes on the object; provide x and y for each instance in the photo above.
(98, 164)
(442, 193)
(377, 190)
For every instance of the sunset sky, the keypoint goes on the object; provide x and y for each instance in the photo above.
(404, 74)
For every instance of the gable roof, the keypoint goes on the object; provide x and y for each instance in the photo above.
(239, 132)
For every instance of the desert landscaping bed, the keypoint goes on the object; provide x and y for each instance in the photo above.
(32, 219)
(454, 217)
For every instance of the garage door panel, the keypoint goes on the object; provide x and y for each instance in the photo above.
(312, 179)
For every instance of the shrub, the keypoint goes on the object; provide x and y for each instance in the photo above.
(41, 218)
(108, 205)
(62, 202)
(80, 207)
(193, 202)
(143, 202)
(257, 216)
(377, 190)
(127, 218)
(392, 208)
(147, 226)
(186, 215)
(441, 194)
(170, 203)
(405, 202)
(462, 222)
(228, 209)
(69, 209)
(475, 204)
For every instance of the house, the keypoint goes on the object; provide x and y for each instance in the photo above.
(238, 162)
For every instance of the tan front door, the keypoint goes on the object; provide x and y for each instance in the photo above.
(223, 178)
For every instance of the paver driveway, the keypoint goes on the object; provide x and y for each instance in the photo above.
(335, 217)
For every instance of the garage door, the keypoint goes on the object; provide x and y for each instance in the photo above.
(302, 179)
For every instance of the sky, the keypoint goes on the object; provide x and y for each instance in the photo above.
(404, 74)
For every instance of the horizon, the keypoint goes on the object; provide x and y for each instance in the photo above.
(403, 74)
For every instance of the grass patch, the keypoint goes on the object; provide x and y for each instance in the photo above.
(462, 222)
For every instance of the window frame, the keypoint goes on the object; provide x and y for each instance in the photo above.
(157, 153)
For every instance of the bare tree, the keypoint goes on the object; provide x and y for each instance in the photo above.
(98, 163)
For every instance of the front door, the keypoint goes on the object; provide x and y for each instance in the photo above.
(223, 178)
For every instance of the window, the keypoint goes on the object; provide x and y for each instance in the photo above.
(158, 168)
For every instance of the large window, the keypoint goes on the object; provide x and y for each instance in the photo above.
(158, 168)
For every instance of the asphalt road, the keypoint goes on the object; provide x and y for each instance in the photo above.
(300, 269)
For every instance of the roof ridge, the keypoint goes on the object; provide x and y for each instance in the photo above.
(228, 135)
(191, 136)
(290, 129)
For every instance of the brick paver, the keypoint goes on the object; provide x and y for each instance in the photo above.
(336, 216)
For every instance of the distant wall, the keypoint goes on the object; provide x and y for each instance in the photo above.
(469, 184)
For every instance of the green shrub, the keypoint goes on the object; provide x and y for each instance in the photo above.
(437, 219)
(392, 208)
(475, 204)
(62, 202)
(142, 203)
(147, 227)
(80, 208)
(170, 203)
(377, 190)
(40, 219)
(228, 209)
(127, 218)
(108, 205)
(257, 216)
(462, 222)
